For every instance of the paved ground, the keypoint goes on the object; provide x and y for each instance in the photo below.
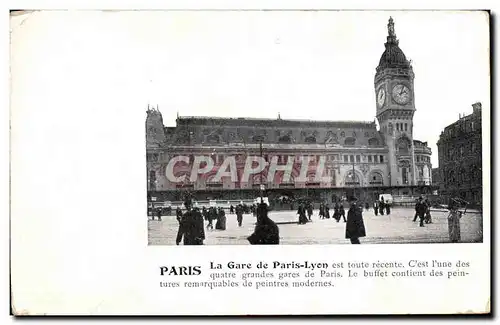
(395, 228)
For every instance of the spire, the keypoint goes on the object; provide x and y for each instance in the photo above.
(279, 116)
(391, 39)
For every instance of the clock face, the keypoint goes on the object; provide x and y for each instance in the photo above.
(381, 97)
(401, 94)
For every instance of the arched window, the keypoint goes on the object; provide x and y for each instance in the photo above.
(351, 178)
(350, 141)
(373, 142)
(376, 179)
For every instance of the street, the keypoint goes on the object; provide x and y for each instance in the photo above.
(397, 228)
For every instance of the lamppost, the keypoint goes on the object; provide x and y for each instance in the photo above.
(261, 185)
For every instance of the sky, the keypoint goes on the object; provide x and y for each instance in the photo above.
(317, 65)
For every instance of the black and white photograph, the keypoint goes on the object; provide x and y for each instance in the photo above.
(292, 148)
(325, 127)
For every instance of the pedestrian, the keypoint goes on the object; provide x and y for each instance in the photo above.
(231, 209)
(342, 211)
(266, 231)
(417, 203)
(239, 214)
(309, 210)
(327, 211)
(387, 208)
(367, 206)
(421, 209)
(375, 207)
(158, 213)
(454, 221)
(355, 227)
(212, 215)
(381, 206)
(428, 218)
(178, 214)
(221, 219)
(191, 226)
(321, 211)
(302, 214)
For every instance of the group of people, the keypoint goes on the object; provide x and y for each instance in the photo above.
(303, 209)
(212, 214)
(381, 206)
(192, 231)
(422, 211)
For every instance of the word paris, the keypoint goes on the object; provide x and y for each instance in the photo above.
(181, 168)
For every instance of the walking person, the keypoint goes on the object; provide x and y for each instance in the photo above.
(454, 221)
(327, 211)
(309, 210)
(381, 206)
(355, 227)
(417, 203)
(421, 209)
(221, 219)
(178, 214)
(375, 207)
(387, 208)
(266, 231)
(239, 214)
(321, 211)
(302, 214)
(428, 217)
(191, 226)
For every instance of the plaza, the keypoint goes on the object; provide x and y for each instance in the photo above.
(396, 228)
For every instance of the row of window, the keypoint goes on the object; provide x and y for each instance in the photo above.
(463, 177)
(283, 159)
(402, 126)
(423, 158)
(462, 151)
(368, 158)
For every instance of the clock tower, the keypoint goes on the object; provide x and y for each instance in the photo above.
(395, 101)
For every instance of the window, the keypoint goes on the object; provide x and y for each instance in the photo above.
(381, 158)
(336, 157)
(370, 159)
(358, 158)
(350, 141)
(375, 159)
(405, 175)
(406, 126)
(397, 126)
(418, 158)
(346, 158)
(351, 158)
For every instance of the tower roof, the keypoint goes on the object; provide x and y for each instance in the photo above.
(393, 56)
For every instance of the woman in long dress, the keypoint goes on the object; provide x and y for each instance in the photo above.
(454, 222)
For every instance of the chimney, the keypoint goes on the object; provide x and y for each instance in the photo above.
(476, 107)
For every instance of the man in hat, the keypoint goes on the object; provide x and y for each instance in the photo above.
(239, 214)
(266, 231)
(355, 227)
(191, 226)
(421, 209)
